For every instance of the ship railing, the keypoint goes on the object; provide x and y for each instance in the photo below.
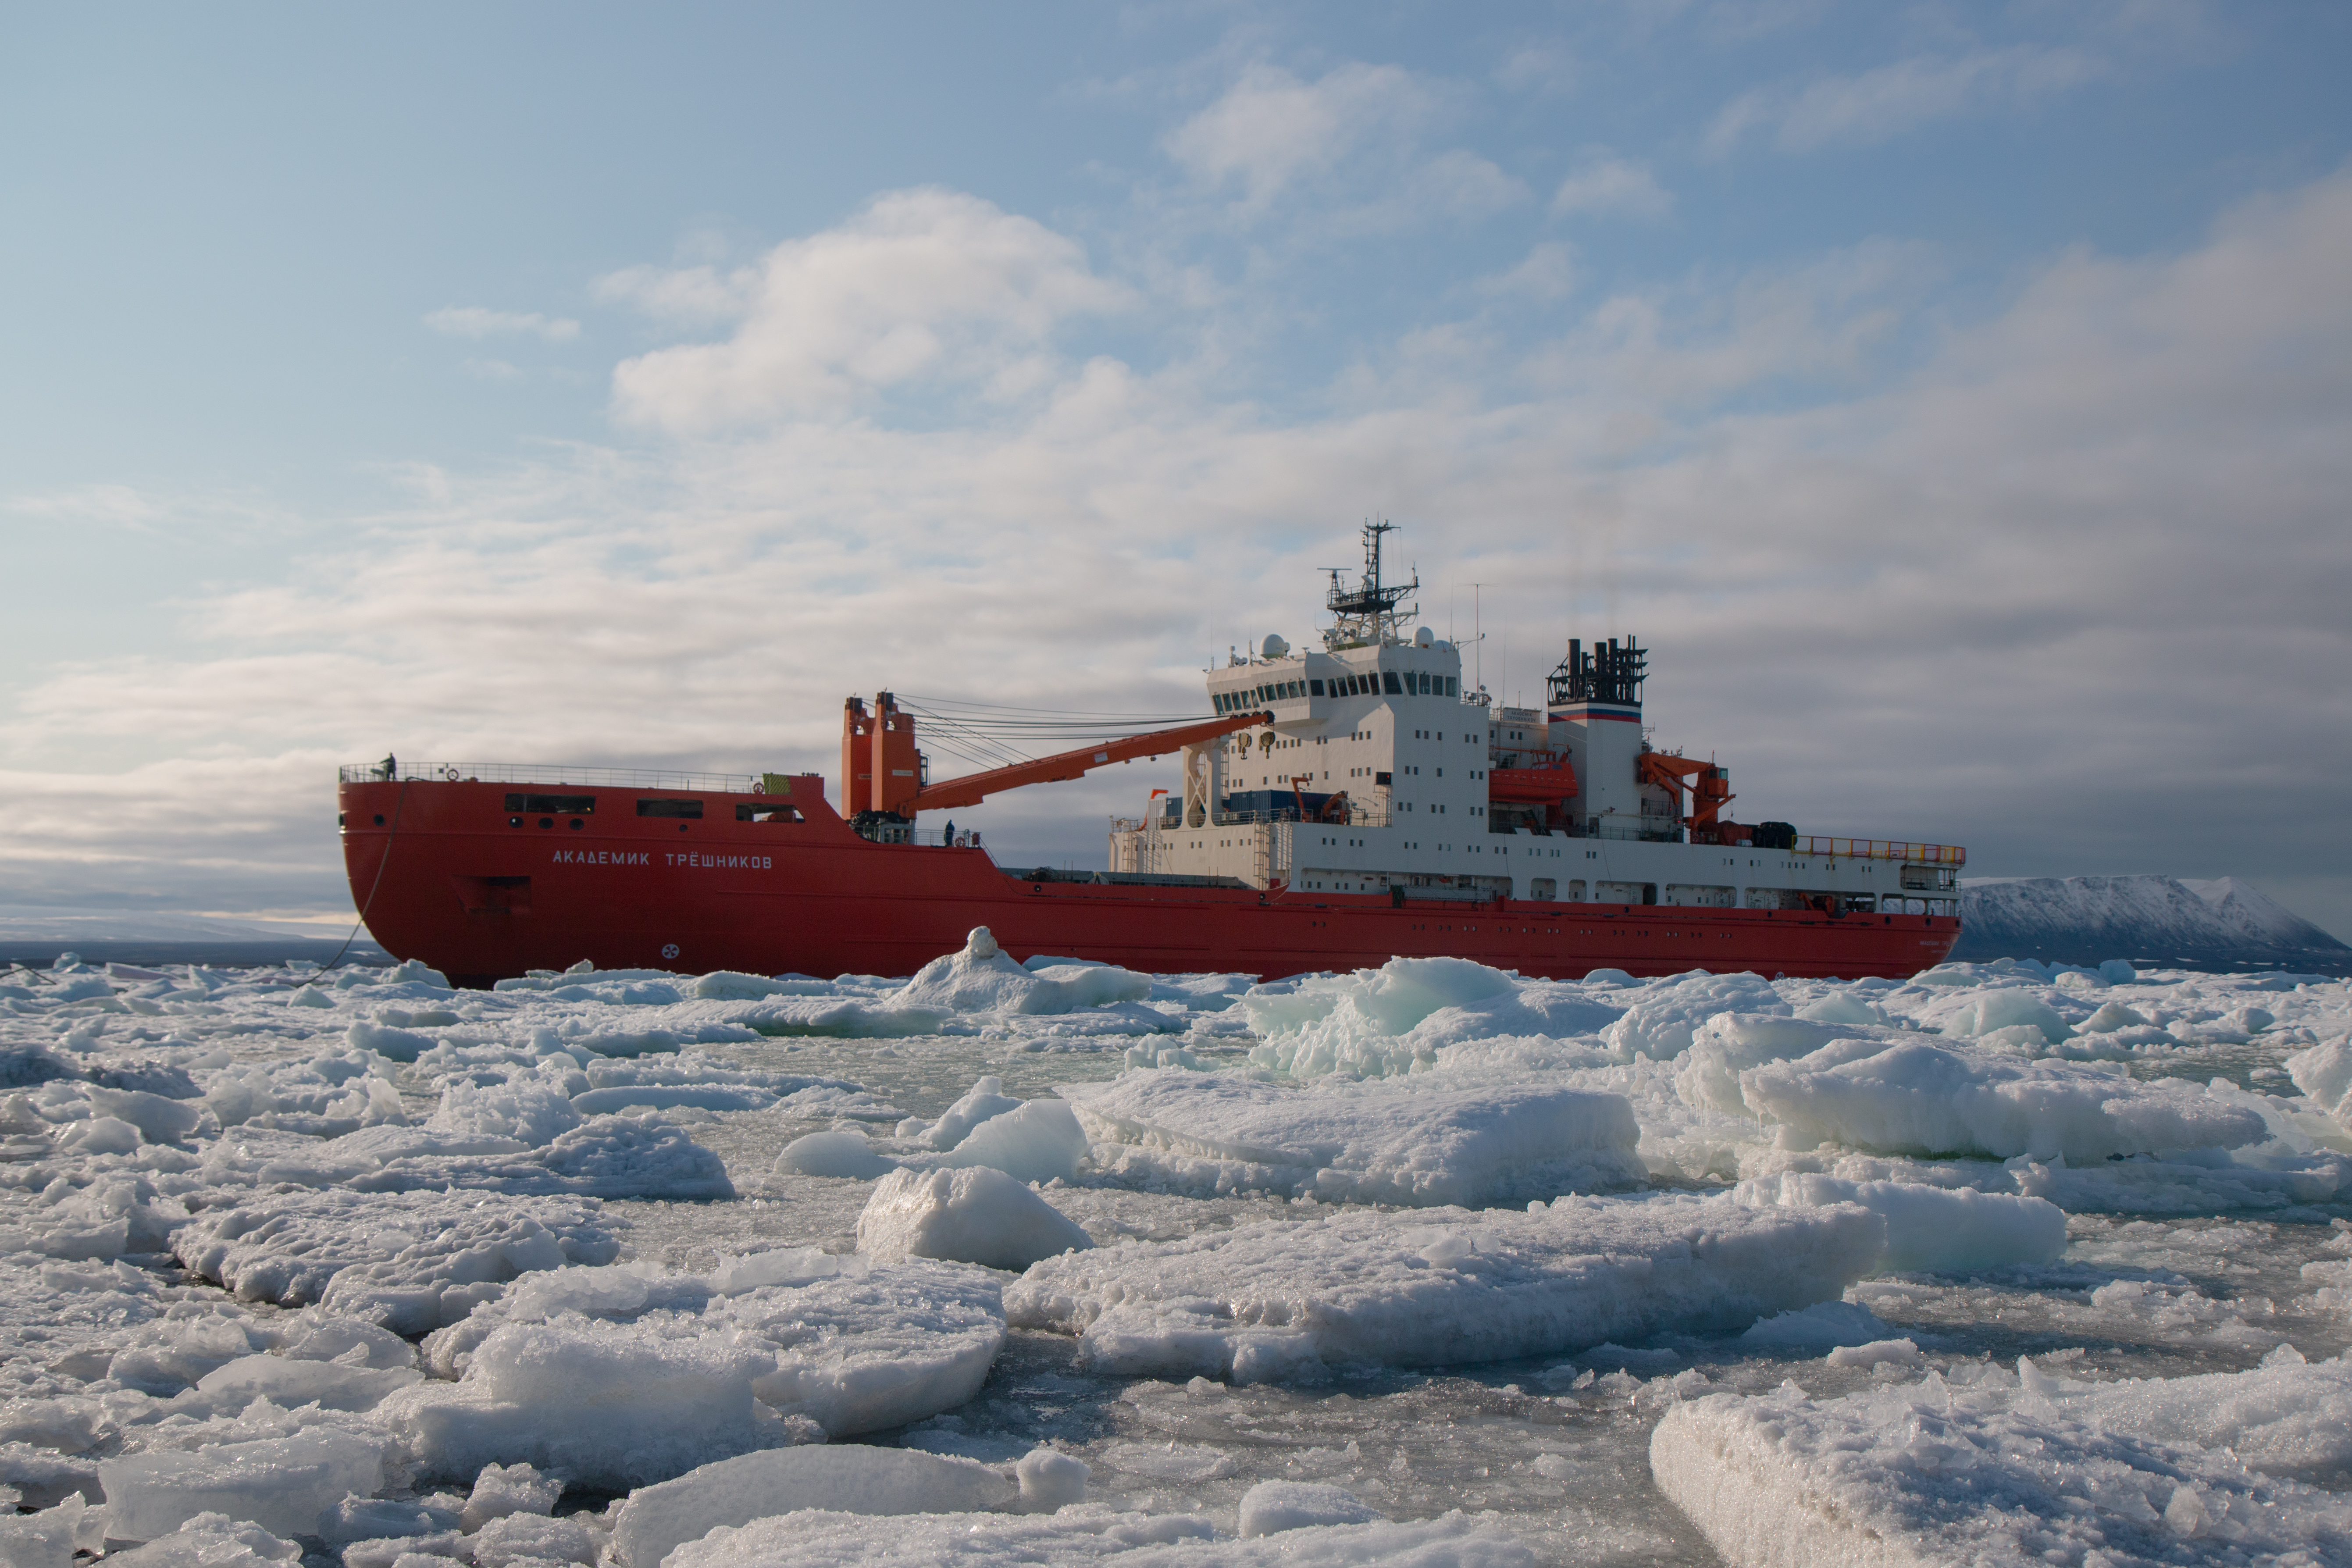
(941, 838)
(559, 774)
(1884, 849)
(1358, 817)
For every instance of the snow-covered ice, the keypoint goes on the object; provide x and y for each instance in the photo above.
(1445, 1287)
(656, 1520)
(1073, 1537)
(976, 1214)
(1417, 1143)
(353, 1266)
(2034, 1469)
(1918, 1098)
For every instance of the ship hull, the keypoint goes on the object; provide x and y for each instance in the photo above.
(446, 873)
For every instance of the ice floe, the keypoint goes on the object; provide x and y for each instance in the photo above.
(1076, 1536)
(844, 1345)
(1420, 1144)
(1923, 1100)
(976, 1214)
(1289, 1298)
(2034, 1469)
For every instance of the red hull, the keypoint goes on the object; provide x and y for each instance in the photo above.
(478, 899)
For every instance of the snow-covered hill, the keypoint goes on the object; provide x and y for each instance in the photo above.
(2082, 920)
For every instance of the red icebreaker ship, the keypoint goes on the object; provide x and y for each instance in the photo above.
(1342, 806)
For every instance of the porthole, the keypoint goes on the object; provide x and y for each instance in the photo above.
(577, 823)
(547, 822)
(379, 819)
(514, 822)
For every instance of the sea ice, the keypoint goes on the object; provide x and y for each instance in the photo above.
(532, 1541)
(501, 1490)
(1727, 1044)
(981, 978)
(47, 1538)
(1270, 1508)
(1930, 1229)
(977, 1215)
(603, 1405)
(1080, 1536)
(2323, 1074)
(656, 1520)
(636, 1154)
(419, 1262)
(841, 1154)
(1665, 1015)
(210, 1540)
(1417, 1143)
(984, 1100)
(1925, 1099)
(1289, 1298)
(288, 1382)
(282, 1484)
(1824, 1326)
(840, 1344)
(1375, 1022)
(1929, 1473)
(1038, 1140)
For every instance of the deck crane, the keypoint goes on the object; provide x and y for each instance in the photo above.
(882, 772)
(1709, 786)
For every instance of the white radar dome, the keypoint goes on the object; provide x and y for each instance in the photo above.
(1424, 637)
(1274, 646)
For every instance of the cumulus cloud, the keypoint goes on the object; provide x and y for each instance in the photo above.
(473, 322)
(924, 286)
(1607, 183)
(1882, 103)
(1967, 602)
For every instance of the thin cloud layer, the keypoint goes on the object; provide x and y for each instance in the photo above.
(473, 322)
(1607, 183)
(1352, 148)
(1877, 105)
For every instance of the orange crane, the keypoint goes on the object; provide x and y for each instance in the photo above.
(892, 780)
(1709, 786)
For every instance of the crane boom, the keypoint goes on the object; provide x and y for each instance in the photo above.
(1709, 786)
(972, 788)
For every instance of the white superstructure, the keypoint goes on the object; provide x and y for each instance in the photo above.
(1377, 776)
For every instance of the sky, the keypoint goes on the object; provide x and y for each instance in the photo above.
(1956, 399)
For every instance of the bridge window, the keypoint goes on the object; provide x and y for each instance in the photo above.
(670, 808)
(1388, 681)
(748, 812)
(1314, 689)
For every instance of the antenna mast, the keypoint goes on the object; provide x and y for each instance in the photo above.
(1369, 613)
(1480, 698)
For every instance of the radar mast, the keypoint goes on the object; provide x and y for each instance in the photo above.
(1369, 613)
